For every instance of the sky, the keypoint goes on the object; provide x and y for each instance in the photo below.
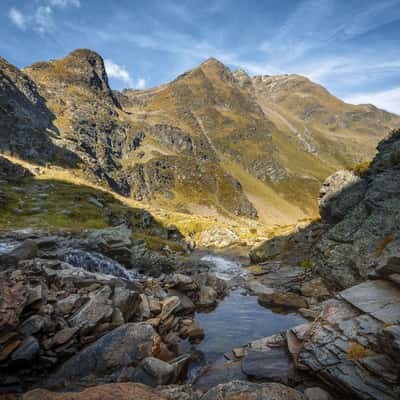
(352, 47)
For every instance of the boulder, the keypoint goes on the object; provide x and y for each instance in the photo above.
(123, 346)
(114, 242)
(25, 251)
(218, 237)
(68, 304)
(127, 301)
(339, 194)
(27, 351)
(169, 305)
(114, 391)
(257, 288)
(208, 297)
(236, 390)
(96, 310)
(153, 372)
(316, 393)
(13, 298)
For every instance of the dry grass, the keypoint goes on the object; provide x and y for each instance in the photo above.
(356, 351)
(382, 245)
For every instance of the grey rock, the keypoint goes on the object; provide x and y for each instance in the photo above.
(379, 298)
(123, 346)
(96, 310)
(27, 351)
(316, 393)
(153, 372)
(208, 296)
(339, 194)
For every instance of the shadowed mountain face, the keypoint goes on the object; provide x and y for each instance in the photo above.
(211, 141)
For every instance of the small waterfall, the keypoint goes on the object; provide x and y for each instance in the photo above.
(95, 262)
(7, 247)
(224, 268)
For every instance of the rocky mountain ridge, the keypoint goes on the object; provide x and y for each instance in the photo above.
(210, 142)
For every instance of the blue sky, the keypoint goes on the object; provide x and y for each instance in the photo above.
(352, 47)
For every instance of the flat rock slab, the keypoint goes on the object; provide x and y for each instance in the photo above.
(379, 298)
(273, 365)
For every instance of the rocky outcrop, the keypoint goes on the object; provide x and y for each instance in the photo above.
(362, 241)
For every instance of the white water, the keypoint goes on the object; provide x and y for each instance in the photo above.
(95, 262)
(224, 268)
(7, 247)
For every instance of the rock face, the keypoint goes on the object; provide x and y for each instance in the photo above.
(363, 240)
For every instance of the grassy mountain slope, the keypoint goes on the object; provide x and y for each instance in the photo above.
(210, 143)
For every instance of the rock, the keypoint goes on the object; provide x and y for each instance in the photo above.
(381, 299)
(169, 305)
(114, 391)
(63, 336)
(181, 282)
(180, 392)
(390, 341)
(390, 260)
(316, 393)
(126, 300)
(194, 331)
(144, 307)
(339, 194)
(272, 365)
(186, 305)
(37, 294)
(13, 298)
(154, 304)
(114, 242)
(96, 310)
(68, 304)
(314, 288)
(27, 351)
(7, 349)
(258, 288)
(25, 251)
(218, 237)
(237, 390)
(285, 300)
(208, 296)
(153, 372)
(32, 325)
(121, 347)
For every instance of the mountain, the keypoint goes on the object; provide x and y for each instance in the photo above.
(211, 142)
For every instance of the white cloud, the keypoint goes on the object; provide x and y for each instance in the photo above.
(42, 20)
(141, 83)
(17, 18)
(387, 99)
(65, 3)
(118, 72)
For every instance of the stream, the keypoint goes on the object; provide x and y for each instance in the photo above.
(237, 320)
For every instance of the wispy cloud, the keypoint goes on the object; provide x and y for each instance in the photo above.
(141, 83)
(17, 18)
(386, 99)
(41, 18)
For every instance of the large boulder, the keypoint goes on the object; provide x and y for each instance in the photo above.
(114, 391)
(114, 242)
(340, 193)
(236, 390)
(119, 348)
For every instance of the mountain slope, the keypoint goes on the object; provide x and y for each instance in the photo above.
(211, 142)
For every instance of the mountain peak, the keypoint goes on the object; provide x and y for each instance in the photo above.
(82, 67)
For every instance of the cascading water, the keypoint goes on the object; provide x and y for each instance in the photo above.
(223, 267)
(95, 262)
(7, 247)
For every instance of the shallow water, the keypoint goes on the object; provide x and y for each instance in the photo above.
(237, 320)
